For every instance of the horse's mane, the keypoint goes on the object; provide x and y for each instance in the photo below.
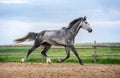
(73, 22)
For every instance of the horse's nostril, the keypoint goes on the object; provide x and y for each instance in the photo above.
(90, 30)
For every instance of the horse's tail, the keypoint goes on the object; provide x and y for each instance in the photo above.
(30, 36)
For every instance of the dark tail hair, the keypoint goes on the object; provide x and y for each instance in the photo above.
(30, 36)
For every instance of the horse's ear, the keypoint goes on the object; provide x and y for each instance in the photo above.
(84, 19)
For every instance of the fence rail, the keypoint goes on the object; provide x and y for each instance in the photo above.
(37, 54)
(106, 46)
(95, 45)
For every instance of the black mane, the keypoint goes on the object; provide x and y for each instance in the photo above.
(73, 22)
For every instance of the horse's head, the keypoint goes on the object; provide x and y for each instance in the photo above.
(85, 25)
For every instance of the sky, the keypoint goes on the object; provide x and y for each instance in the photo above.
(18, 17)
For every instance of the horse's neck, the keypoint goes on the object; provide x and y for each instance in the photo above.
(75, 29)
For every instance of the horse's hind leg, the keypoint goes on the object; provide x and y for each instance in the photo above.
(44, 51)
(28, 53)
(67, 53)
(36, 44)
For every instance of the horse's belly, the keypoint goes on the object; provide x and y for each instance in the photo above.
(54, 39)
(55, 42)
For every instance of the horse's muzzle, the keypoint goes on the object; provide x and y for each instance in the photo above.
(89, 30)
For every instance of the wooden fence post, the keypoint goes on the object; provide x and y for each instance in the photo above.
(95, 55)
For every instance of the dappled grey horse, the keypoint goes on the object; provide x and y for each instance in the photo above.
(64, 37)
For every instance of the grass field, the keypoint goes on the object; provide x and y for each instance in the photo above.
(61, 52)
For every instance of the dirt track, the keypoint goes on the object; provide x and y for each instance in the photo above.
(58, 70)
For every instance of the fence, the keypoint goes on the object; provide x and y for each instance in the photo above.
(38, 54)
(95, 45)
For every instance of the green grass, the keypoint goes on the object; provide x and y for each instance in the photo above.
(52, 52)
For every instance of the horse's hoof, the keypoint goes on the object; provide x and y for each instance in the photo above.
(81, 64)
(59, 61)
(48, 60)
(23, 60)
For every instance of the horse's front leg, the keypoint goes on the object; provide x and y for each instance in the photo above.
(67, 53)
(76, 54)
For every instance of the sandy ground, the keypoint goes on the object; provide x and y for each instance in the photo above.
(58, 70)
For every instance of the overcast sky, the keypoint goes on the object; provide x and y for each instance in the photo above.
(18, 17)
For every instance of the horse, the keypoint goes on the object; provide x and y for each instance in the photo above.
(63, 37)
